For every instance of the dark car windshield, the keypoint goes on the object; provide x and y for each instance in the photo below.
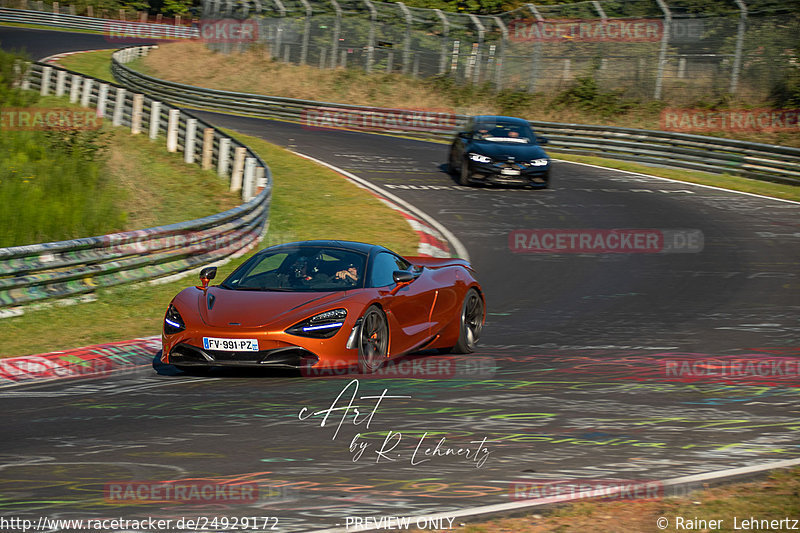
(504, 132)
(307, 269)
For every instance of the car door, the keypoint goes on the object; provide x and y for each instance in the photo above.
(408, 310)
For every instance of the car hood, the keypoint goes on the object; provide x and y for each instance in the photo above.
(501, 151)
(230, 308)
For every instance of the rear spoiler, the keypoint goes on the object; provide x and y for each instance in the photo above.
(439, 262)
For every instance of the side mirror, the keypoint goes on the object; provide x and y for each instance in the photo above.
(401, 278)
(541, 140)
(207, 274)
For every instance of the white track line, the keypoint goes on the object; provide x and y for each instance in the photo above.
(681, 182)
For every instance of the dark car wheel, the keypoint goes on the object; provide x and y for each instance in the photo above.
(463, 175)
(374, 340)
(452, 167)
(471, 323)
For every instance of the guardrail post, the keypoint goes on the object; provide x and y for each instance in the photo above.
(224, 156)
(208, 148)
(238, 168)
(189, 140)
(155, 119)
(61, 78)
(102, 100)
(172, 130)
(44, 89)
(119, 107)
(261, 180)
(87, 92)
(25, 84)
(249, 179)
(136, 114)
(75, 88)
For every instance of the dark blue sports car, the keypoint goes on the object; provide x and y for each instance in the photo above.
(499, 150)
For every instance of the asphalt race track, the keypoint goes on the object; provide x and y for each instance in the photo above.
(580, 373)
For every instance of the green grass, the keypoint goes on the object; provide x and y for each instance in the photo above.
(96, 64)
(136, 184)
(306, 204)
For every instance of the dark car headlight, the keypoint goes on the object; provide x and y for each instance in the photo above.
(480, 158)
(173, 322)
(541, 162)
(321, 326)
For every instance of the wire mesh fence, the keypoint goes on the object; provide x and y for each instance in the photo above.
(642, 48)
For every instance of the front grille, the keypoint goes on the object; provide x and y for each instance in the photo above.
(291, 356)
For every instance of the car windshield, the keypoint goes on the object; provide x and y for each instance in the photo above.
(504, 132)
(307, 269)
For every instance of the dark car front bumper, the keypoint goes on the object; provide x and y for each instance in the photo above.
(509, 174)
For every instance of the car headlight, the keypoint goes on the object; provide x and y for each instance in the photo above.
(480, 158)
(321, 326)
(173, 322)
(540, 162)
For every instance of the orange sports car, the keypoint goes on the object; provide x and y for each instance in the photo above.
(324, 304)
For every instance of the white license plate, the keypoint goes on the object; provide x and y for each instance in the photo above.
(230, 345)
(509, 172)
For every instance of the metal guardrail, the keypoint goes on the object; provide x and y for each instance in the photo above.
(116, 30)
(679, 150)
(68, 268)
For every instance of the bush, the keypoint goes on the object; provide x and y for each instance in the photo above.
(586, 95)
(52, 183)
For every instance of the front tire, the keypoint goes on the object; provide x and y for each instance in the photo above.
(463, 175)
(373, 345)
(471, 323)
(452, 168)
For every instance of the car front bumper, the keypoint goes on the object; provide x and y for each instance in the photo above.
(509, 174)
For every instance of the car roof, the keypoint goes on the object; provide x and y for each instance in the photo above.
(499, 118)
(360, 247)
